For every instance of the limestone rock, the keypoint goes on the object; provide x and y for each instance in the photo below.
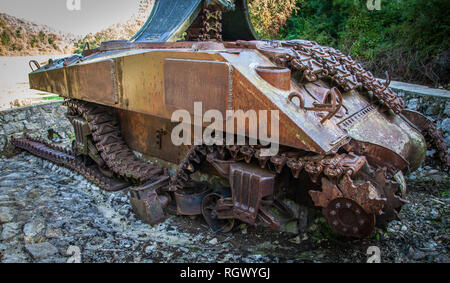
(9, 231)
(5, 215)
(446, 125)
(31, 229)
(41, 250)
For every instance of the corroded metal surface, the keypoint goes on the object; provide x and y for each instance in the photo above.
(168, 20)
(207, 26)
(189, 198)
(147, 203)
(348, 218)
(318, 62)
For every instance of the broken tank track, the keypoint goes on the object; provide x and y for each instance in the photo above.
(352, 200)
(110, 144)
(65, 157)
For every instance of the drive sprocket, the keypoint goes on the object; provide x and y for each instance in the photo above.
(350, 207)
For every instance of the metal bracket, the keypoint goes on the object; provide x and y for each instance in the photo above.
(147, 204)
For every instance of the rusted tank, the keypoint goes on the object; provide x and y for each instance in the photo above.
(344, 144)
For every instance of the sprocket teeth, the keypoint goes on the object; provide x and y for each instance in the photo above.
(380, 176)
(394, 201)
(364, 194)
(328, 193)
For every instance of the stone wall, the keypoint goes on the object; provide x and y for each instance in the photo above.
(435, 107)
(34, 120)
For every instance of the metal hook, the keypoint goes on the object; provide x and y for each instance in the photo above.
(333, 108)
(35, 64)
(300, 98)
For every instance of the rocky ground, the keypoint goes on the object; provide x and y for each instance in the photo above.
(47, 213)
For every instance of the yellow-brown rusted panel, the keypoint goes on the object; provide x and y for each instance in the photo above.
(143, 79)
(248, 97)
(98, 84)
(53, 81)
(137, 80)
(189, 81)
(141, 133)
(73, 84)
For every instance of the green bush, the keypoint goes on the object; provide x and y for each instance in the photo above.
(407, 38)
(33, 42)
(5, 38)
(42, 36)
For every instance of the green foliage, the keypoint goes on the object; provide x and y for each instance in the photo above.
(42, 36)
(33, 42)
(405, 37)
(5, 38)
(53, 98)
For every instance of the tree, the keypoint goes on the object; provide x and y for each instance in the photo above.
(268, 16)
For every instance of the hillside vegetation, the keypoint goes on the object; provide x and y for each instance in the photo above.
(408, 38)
(19, 38)
(268, 16)
(119, 31)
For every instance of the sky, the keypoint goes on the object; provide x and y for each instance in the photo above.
(63, 15)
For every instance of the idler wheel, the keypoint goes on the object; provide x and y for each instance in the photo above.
(348, 218)
(209, 205)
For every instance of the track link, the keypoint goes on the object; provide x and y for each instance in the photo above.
(65, 157)
(109, 142)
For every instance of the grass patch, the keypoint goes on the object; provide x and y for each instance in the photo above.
(53, 98)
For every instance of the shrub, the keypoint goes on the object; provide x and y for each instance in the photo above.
(42, 36)
(33, 42)
(268, 16)
(407, 38)
(5, 38)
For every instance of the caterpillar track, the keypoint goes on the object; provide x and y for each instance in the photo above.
(108, 140)
(127, 169)
(65, 157)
